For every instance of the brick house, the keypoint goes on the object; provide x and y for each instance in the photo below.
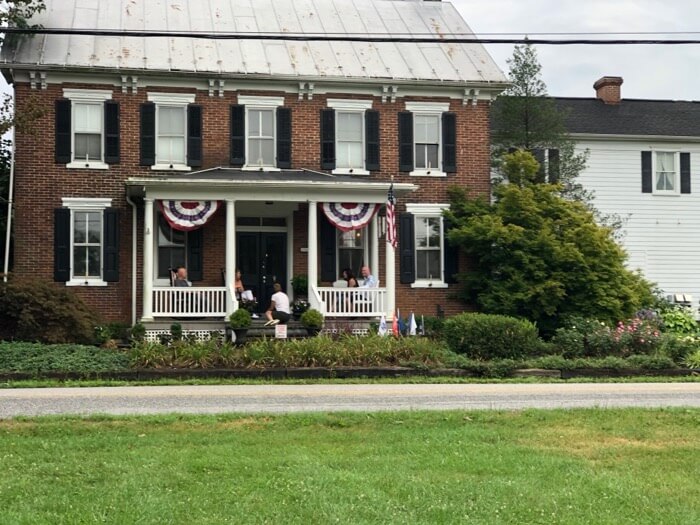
(271, 156)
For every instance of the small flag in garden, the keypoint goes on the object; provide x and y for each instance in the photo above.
(395, 325)
(402, 324)
(412, 326)
(382, 330)
(391, 218)
(422, 325)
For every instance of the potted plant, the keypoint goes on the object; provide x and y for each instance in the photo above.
(299, 306)
(312, 320)
(239, 321)
(300, 285)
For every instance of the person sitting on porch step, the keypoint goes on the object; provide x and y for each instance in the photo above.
(181, 277)
(370, 281)
(279, 311)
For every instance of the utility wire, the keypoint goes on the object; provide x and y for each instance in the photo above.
(315, 37)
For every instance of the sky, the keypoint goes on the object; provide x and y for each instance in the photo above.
(649, 72)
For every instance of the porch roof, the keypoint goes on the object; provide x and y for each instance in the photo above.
(285, 185)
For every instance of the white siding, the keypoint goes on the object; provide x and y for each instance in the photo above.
(661, 232)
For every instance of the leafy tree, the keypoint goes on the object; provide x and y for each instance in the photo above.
(525, 117)
(537, 255)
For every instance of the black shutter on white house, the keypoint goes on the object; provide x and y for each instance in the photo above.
(405, 141)
(450, 254)
(284, 138)
(371, 140)
(647, 184)
(449, 143)
(112, 137)
(61, 245)
(195, 252)
(194, 135)
(327, 139)
(148, 134)
(63, 132)
(328, 258)
(553, 166)
(539, 155)
(110, 261)
(407, 249)
(237, 136)
(685, 172)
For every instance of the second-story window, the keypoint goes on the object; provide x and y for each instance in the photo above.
(261, 137)
(427, 139)
(171, 136)
(261, 133)
(666, 172)
(350, 137)
(426, 129)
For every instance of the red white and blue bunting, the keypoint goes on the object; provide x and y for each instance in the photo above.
(188, 215)
(347, 216)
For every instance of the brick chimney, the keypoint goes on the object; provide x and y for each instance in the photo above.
(607, 89)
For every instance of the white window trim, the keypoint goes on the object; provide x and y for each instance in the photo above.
(86, 204)
(86, 96)
(171, 99)
(260, 102)
(429, 108)
(676, 177)
(348, 105)
(431, 210)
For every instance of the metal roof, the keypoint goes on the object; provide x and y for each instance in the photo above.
(432, 62)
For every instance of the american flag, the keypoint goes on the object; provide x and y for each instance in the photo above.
(391, 218)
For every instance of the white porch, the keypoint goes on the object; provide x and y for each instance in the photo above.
(233, 187)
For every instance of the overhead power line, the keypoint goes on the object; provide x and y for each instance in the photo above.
(354, 37)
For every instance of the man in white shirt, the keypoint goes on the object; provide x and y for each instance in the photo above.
(370, 281)
(279, 307)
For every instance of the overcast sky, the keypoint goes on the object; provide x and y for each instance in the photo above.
(656, 72)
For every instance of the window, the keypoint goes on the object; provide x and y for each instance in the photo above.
(261, 130)
(429, 245)
(172, 248)
(427, 135)
(350, 137)
(351, 250)
(80, 128)
(171, 132)
(665, 179)
(349, 140)
(90, 234)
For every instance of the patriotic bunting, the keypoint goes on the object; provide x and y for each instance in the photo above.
(188, 215)
(347, 216)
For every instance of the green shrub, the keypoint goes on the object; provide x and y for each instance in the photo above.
(176, 332)
(37, 358)
(43, 312)
(137, 332)
(679, 320)
(433, 326)
(693, 360)
(484, 336)
(583, 337)
(240, 319)
(678, 347)
(312, 318)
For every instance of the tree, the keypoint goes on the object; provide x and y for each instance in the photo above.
(525, 117)
(538, 255)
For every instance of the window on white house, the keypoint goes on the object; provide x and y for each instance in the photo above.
(87, 244)
(666, 172)
(171, 133)
(261, 137)
(172, 248)
(349, 139)
(351, 250)
(87, 131)
(428, 248)
(426, 133)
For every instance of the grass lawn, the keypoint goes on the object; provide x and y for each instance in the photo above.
(627, 466)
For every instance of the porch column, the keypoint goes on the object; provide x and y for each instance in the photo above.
(312, 252)
(230, 255)
(147, 314)
(390, 282)
(373, 246)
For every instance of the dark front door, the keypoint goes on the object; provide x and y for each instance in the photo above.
(262, 260)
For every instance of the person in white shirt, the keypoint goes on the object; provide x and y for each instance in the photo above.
(279, 311)
(370, 281)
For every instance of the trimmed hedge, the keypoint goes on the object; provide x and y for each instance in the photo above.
(38, 358)
(485, 336)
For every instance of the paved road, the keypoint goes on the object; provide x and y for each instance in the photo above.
(337, 397)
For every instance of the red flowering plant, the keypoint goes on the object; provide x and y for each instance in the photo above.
(636, 336)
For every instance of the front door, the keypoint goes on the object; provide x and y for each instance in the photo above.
(262, 260)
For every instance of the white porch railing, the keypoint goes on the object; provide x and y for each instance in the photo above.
(194, 301)
(353, 302)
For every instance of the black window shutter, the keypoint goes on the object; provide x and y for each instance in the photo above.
(685, 172)
(327, 139)
(195, 253)
(538, 153)
(284, 138)
(61, 245)
(327, 237)
(110, 262)
(148, 134)
(63, 132)
(553, 166)
(407, 249)
(647, 184)
(112, 138)
(194, 135)
(450, 255)
(449, 143)
(237, 136)
(371, 140)
(405, 141)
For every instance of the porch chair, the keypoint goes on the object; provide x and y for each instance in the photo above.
(363, 302)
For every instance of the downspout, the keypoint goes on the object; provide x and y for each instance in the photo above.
(9, 208)
(133, 259)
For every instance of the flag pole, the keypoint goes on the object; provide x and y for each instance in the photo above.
(391, 243)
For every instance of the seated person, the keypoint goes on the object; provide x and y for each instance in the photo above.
(369, 280)
(279, 311)
(238, 284)
(180, 277)
(349, 278)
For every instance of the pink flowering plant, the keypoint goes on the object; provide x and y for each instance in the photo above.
(636, 336)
